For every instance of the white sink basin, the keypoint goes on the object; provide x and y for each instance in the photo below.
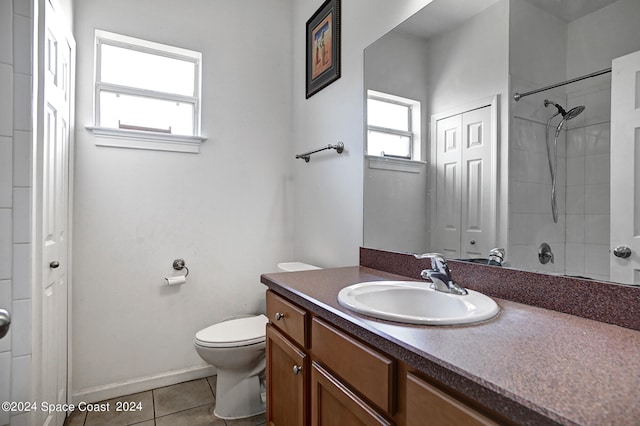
(415, 302)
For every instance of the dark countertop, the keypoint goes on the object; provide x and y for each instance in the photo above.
(532, 365)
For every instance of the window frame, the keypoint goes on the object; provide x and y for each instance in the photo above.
(413, 122)
(146, 138)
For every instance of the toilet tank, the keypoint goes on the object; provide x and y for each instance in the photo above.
(295, 266)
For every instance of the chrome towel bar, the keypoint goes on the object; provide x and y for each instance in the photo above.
(307, 155)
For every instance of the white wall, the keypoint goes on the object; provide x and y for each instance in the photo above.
(329, 189)
(226, 211)
(16, 25)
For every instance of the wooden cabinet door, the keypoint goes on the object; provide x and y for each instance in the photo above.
(287, 373)
(333, 404)
(429, 406)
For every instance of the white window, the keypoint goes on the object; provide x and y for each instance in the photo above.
(147, 94)
(393, 126)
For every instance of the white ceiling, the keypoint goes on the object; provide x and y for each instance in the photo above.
(570, 10)
(440, 15)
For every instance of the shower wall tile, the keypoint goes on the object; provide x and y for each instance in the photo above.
(576, 140)
(597, 169)
(530, 167)
(575, 228)
(22, 158)
(21, 271)
(6, 100)
(596, 229)
(6, 32)
(596, 199)
(575, 200)
(23, 7)
(575, 259)
(5, 244)
(575, 171)
(22, 215)
(596, 260)
(20, 378)
(598, 106)
(6, 171)
(598, 139)
(530, 197)
(536, 227)
(5, 303)
(5, 385)
(22, 102)
(21, 326)
(22, 47)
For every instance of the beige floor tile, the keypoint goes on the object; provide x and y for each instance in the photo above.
(200, 416)
(113, 417)
(182, 396)
(258, 420)
(212, 382)
(151, 422)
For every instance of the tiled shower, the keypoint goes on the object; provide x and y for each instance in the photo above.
(580, 239)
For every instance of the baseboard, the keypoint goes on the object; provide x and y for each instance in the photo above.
(114, 390)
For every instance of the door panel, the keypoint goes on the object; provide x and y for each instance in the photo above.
(56, 112)
(625, 176)
(464, 202)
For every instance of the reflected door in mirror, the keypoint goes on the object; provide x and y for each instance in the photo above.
(463, 176)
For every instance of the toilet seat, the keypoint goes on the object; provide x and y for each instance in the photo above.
(233, 333)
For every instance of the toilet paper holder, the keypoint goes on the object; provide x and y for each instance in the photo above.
(179, 265)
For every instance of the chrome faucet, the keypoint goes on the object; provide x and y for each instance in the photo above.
(440, 275)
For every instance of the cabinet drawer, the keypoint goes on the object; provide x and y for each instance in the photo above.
(428, 405)
(287, 317)
(374, 375)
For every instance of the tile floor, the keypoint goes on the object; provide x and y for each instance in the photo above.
(185, 404)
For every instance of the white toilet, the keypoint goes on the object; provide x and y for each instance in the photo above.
(237, 349)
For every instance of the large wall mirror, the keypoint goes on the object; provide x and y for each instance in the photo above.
(454, 164)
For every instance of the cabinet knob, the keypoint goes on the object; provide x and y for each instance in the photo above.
(297, 369)
(54, 264)
(279, 316)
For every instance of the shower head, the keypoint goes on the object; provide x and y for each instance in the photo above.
(573, 113)
(569, 115)
(566, 115)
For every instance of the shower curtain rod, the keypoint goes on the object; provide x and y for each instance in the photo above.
(518, 96)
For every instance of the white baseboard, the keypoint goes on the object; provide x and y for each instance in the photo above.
(114, 390)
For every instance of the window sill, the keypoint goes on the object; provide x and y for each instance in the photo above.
(395, 164)
(136, 139)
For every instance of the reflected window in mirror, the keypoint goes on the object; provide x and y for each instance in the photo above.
(393, 126)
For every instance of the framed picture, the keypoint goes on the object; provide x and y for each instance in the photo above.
(323, 47)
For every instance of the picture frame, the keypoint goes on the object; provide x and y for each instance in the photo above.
(323, 47)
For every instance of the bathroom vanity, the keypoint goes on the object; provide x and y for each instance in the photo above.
(529, 365)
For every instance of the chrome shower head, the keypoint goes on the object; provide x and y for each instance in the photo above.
(573, 113)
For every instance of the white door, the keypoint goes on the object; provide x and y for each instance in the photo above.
(625, 168)
(448, 186)
(464, 182)
(58, 52)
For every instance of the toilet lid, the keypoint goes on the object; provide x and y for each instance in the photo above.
(236, 332)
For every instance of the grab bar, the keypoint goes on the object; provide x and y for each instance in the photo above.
(307, 155)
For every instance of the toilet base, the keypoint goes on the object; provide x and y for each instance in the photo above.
(238, 396)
